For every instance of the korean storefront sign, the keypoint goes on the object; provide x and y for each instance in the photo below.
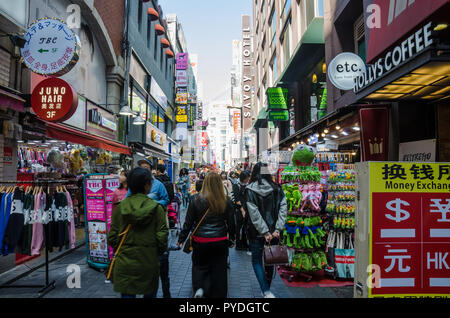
(182, 96)
(182, 61)
(51, 47)
(101, 122)
(422, 150)
(156, 137)
(181, 78)
(277, 99)
(54, 100)
(237, 122)
(410, 228)
(181, 115)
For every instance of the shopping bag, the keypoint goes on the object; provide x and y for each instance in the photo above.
(345, 262)
(173, 240)
(275, 255)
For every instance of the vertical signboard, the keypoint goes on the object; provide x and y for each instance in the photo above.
(237, 122)
(374, 122)
(111, 185)
(96, 220)
(247, 78)
(99, 191)
(182, 61)
(410, 229)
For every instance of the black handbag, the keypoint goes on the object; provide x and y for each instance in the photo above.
(188, 245)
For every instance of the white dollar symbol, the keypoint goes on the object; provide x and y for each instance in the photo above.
(400, 214)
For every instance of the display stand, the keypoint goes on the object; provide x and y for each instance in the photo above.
(98, 189)
(48, 286)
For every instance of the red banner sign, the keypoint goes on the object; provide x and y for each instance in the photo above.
(54, 100)
(398, 18)
(237, 122)
(374, 133)
(204, 139)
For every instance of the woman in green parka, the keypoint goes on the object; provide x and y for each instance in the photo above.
(136, 269)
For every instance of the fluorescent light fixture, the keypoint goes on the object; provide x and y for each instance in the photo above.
(53, 141)
(20, 141)
(344, 133)
(356, 128)
(138, 120)
(125, 111)
(335, 136)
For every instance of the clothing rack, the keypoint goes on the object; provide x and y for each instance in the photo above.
(49, 286)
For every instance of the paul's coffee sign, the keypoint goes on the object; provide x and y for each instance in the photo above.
(54, 100)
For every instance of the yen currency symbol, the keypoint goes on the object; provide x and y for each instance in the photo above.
(396, 206)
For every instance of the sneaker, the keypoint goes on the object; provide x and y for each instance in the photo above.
(268, 294)
(199, 293)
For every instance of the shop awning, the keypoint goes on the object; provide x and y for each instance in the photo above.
(65, 133)
(425, 78)
(154, 15)
(165, 43)
(262, 118)
(169, 53)
(11, 101)
(309, 50)
(159, 29)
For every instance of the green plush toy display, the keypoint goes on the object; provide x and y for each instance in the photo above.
(302, 155)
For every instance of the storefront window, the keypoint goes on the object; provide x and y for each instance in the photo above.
(138, 103)
(153, 114)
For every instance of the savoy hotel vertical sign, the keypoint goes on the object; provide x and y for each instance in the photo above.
(247, 77)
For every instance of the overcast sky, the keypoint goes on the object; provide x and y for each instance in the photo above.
(210, 26)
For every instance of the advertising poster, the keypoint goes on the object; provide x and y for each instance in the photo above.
(410, 229)
(95, 200)
(111, 186)
(181, 116)
(98, 246)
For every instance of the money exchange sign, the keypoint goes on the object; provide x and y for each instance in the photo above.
(410, 229)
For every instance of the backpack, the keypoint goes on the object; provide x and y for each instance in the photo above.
(169, 187)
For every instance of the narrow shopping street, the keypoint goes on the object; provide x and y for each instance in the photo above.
(242, 282)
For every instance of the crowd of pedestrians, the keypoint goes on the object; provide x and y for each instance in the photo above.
(243, 209)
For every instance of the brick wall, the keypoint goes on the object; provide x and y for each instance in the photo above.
(112, 13)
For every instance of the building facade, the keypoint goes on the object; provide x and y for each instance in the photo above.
(288, 53)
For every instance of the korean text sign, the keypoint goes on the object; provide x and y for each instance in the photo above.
(410, 228)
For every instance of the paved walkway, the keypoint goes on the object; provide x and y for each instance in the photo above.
(242, 282)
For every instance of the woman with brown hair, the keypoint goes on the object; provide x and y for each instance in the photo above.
(215, 234)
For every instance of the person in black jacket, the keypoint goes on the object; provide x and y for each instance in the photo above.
(241, 214)
(267, 208)
(215, 234)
